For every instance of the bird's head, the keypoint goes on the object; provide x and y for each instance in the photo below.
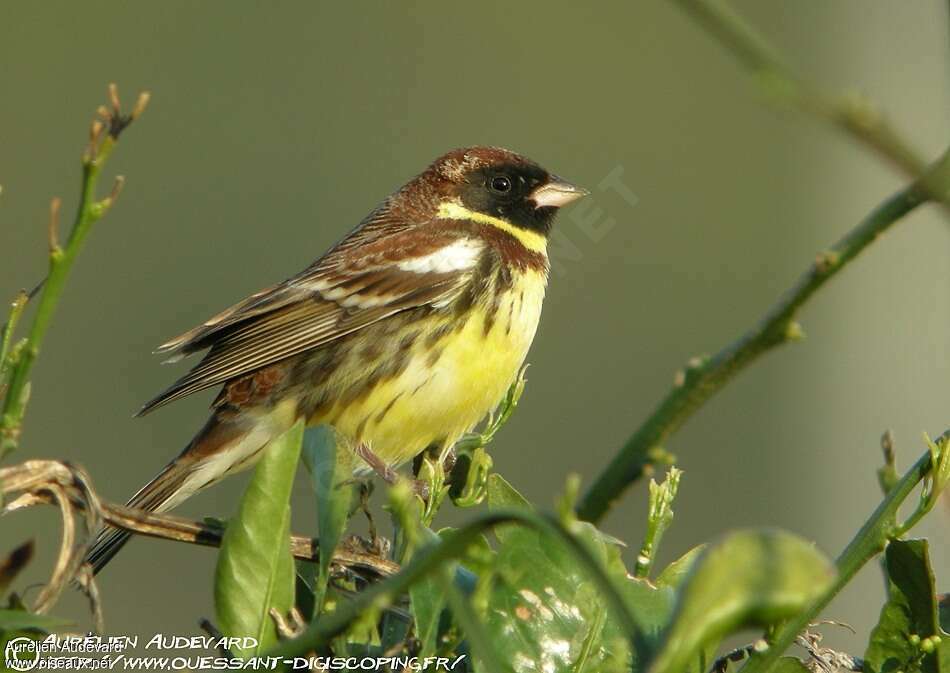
(499, 183)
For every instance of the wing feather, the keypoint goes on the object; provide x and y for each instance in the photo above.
(336, 296)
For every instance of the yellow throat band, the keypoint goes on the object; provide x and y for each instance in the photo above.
(453, 210)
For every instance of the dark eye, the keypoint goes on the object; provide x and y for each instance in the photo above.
(500, 184)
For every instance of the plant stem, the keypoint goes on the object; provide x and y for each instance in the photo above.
(703, 378)
(431, 559)
(61, 260)
(869, 542)
(659, 518)
(26, 485)
(855, 116)
(16, 310)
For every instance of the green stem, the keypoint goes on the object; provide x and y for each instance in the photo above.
(868, 543)
(703, 378)
(858, 118)
(659, 518)
(452, 547)
(16, 311)
(61, 261)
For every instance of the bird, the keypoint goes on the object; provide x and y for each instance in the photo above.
(402, 337)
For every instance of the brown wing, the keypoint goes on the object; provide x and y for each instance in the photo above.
(351, 287)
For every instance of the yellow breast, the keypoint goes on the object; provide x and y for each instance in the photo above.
(450, 382)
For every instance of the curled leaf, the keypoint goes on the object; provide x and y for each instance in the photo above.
(750, 578)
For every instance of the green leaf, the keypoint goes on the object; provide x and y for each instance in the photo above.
(471, 576)
(789, 665)
(675, 573)
(331, 472)
(255, 570)
(20, 620)
(910, 616)
(750, 578)
(426, 599)
(502, 495)
(394, 631)
(544, 611)
(304, 583)
(24, 629)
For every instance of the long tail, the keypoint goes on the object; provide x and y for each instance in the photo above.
(225, 445)
(160, 494)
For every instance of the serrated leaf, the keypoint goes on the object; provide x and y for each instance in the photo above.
(331, 473)
(910, 615)
(255, 570)
(750, 578)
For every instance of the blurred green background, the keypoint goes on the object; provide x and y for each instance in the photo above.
(274, 127)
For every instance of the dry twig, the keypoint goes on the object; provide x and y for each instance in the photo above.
(68, 487)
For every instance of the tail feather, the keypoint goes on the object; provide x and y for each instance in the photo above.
(225, 445)
(157, 495)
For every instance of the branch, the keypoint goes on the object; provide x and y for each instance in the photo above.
(704, 377)
(69, 487)
(103, 136)
(856, 116)
(878, 530)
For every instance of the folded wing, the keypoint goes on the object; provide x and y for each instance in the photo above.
(340, 294)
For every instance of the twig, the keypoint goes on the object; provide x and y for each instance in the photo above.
(856, 116)
(870, 541)
(61, 260)
(53, 233)
(68, 561)
(887, 474)
(704, 377)
(31, 478)
(87, 582)
(61, 484)
(825, 659)
(821, 659)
